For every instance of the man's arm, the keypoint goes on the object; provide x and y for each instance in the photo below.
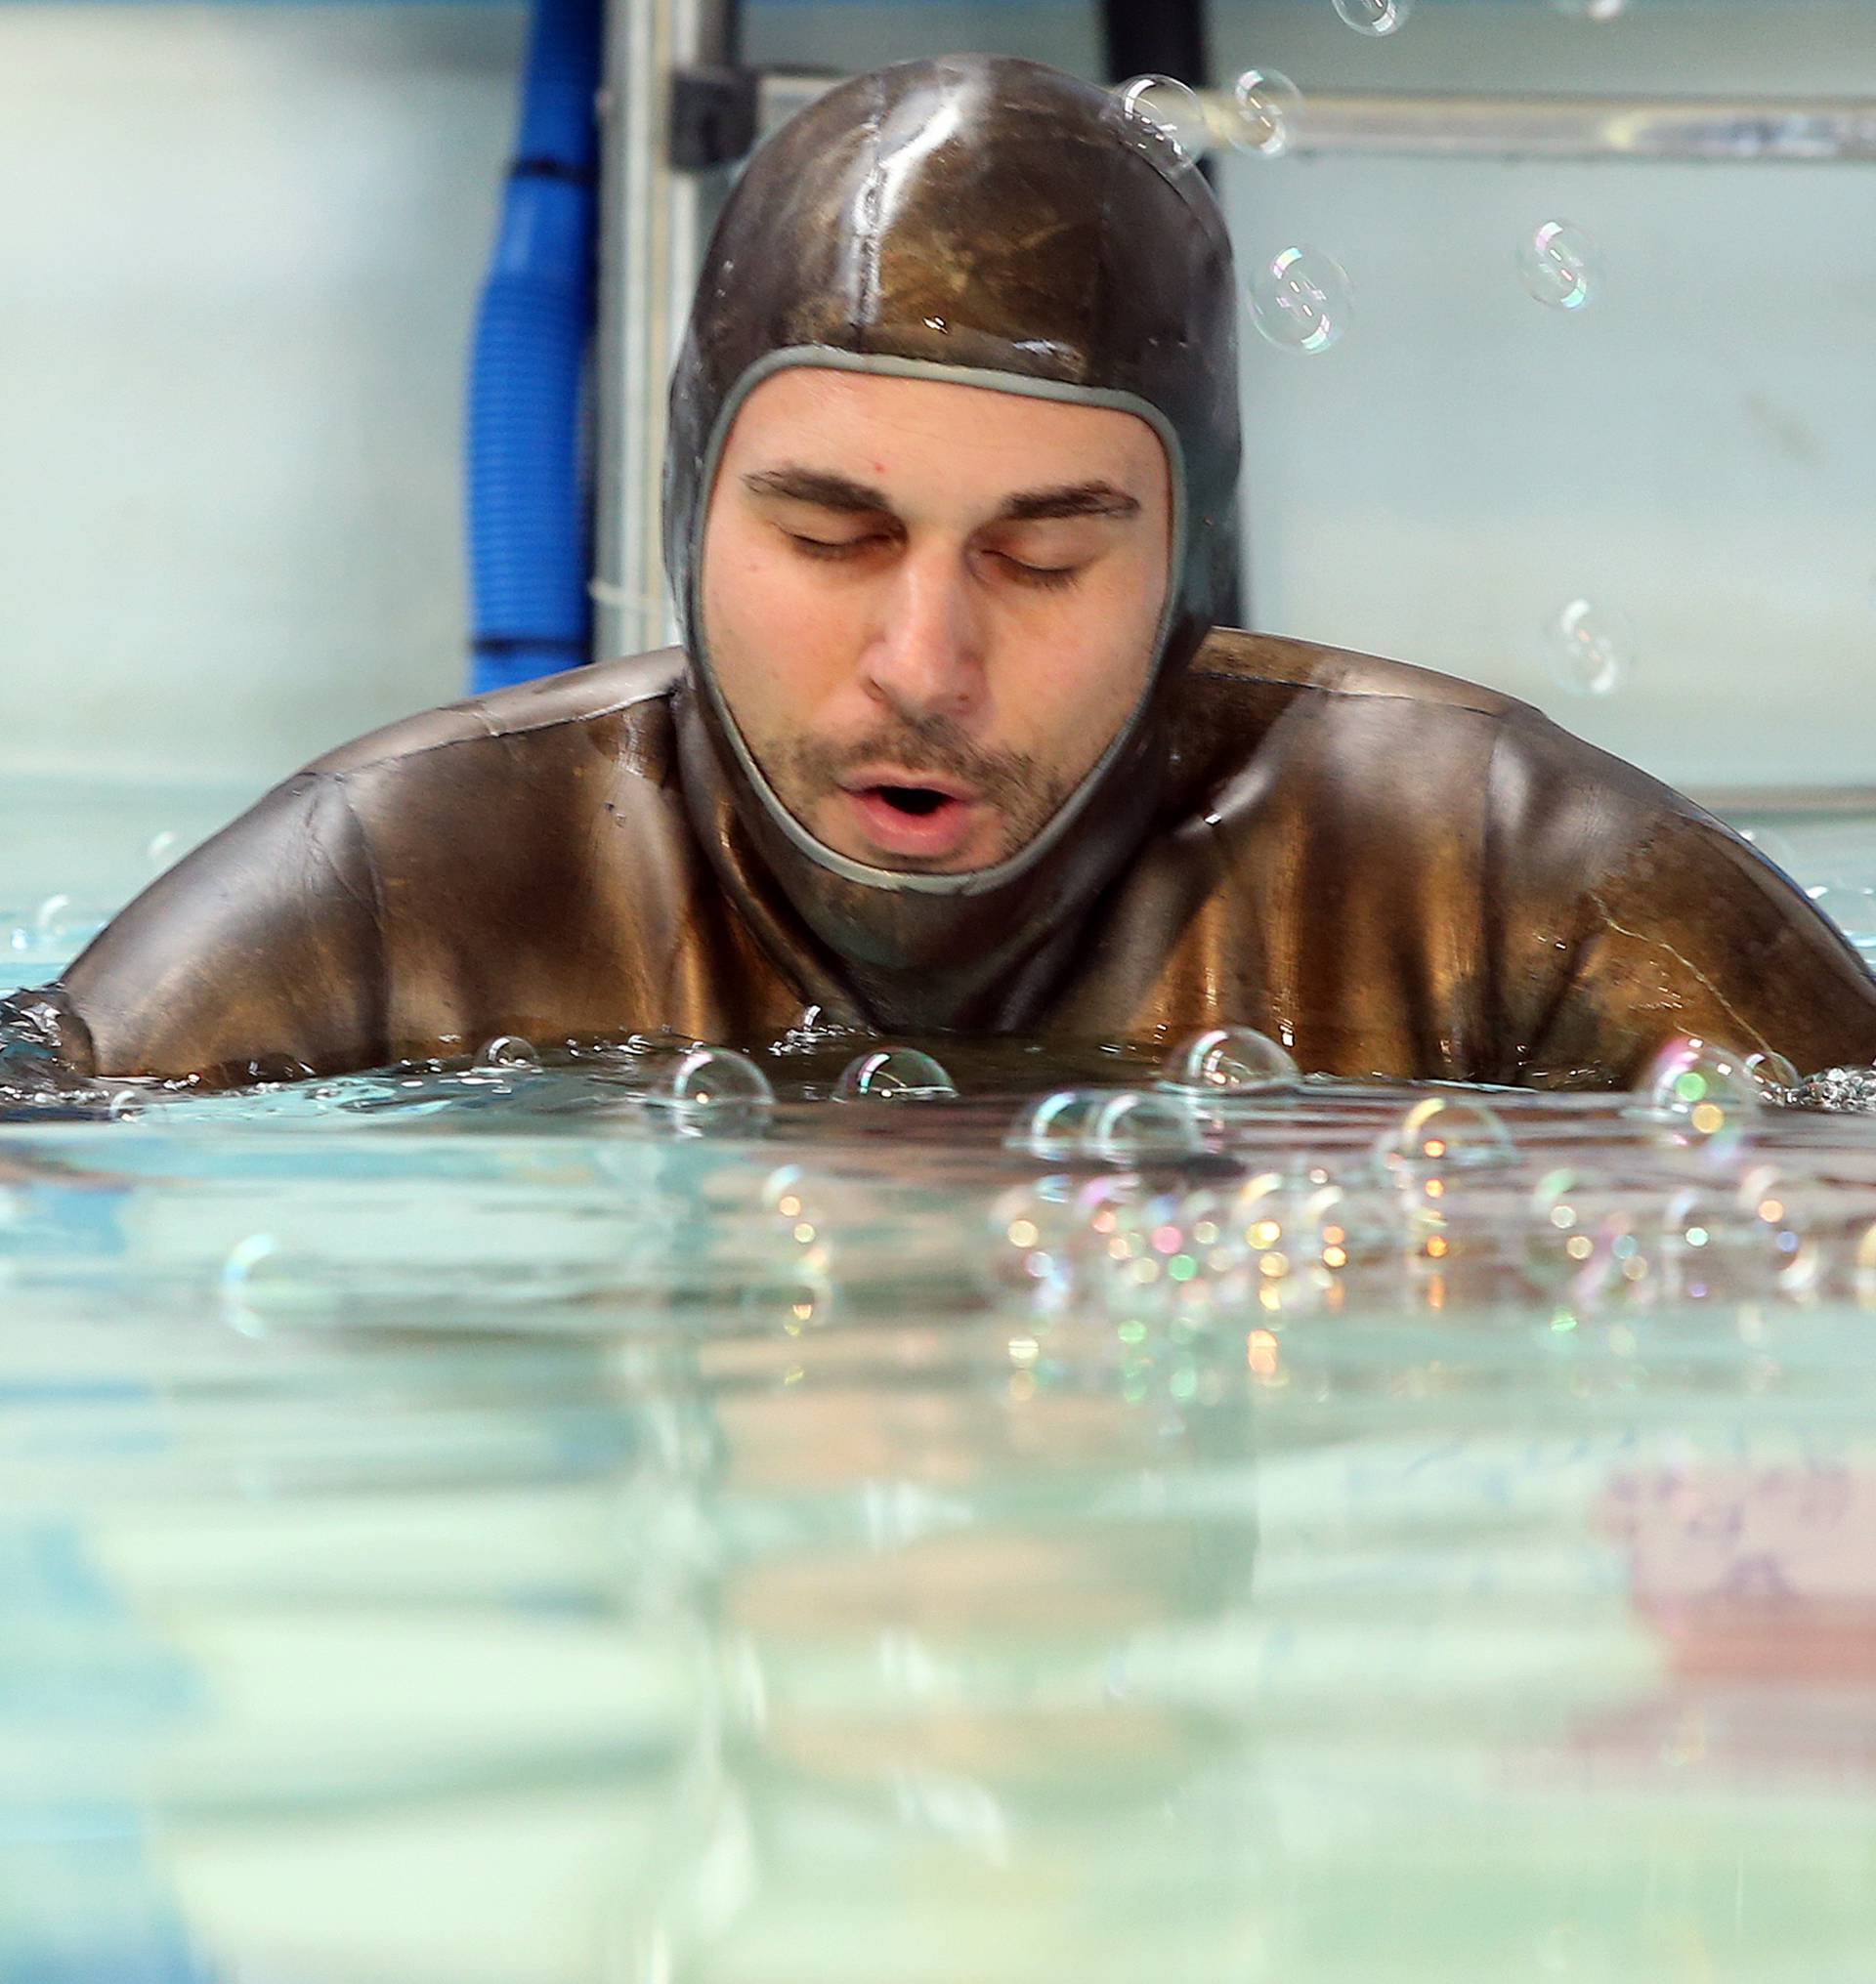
(259, 954)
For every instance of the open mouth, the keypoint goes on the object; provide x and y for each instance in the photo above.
(918, 802)
(904, 819)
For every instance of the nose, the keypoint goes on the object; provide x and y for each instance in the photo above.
(925, 656)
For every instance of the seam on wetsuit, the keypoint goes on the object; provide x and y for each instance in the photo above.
(581, 719)
(381, 978)
(1686, 963)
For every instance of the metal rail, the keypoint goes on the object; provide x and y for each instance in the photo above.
(656, 215)
(1690, 129)
(655, 220)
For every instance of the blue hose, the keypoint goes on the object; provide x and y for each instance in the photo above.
(529, 510)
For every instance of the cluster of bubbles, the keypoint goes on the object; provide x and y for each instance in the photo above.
(1740, 1238)
(1262, 119)
(1301, 299)
(698, 1090)
(1131, 1238)
(690, 1087)
(1170, 1120)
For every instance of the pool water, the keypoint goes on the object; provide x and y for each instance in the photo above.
(488, 1522)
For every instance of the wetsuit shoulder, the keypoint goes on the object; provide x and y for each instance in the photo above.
(1233, 659)
(617, 696)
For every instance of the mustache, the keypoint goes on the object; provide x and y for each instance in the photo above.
(1011, 780)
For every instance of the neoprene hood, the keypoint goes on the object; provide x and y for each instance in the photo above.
(998, 224)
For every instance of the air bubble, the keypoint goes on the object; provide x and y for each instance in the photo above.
(1444, 1133)
(1775, 1076)
(1230, 1058)
(722, 1086)
(1176, 112)
(1301, 301)
(1701, 1084)
(1135, 1124)
(894, 1075)
(1587, 649)
(1375, 17)
(1557, 264)
(509, 1050)
(1056, 1126)
(1268, 107)
(61, 921)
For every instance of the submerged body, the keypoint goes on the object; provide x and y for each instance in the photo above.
(1394, 873)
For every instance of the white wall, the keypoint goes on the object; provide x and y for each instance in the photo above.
(1697, 449)
(240, 249)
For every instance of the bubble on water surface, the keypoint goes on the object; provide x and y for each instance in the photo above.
(1557, 263)
(1775, 1074)
(1375, 17)
(1135, 1124)
(1056, 1126)
(1443, 1134)
(718, 1089)
(1230, 1058)
(1588, 646)
(894, 1075)
(127, 1107)
(1172, 109)
(1704, 1086)
(1268, 107)
(1300, 300)
(508, 1051)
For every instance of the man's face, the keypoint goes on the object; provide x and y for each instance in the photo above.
(930, 607)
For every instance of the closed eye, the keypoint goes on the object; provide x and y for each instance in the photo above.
(1050, 578)
(833, 547)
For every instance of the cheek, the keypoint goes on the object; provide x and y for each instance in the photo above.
(1097, 669)
(774, 639)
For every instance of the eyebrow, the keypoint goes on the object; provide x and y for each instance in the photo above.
(827, 491)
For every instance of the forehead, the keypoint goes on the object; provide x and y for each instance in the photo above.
(898, 433)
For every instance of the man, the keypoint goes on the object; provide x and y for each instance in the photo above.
(952, 742)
